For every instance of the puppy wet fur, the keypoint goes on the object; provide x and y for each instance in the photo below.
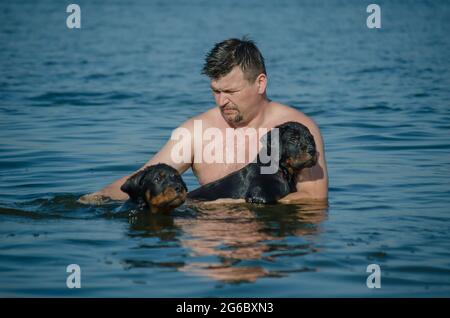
(158, 188)
(297, 150)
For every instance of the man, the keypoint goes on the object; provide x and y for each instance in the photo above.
(238, 81)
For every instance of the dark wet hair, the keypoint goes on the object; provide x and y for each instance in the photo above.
(234, 52)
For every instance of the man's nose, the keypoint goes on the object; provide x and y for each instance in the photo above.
(222, 99)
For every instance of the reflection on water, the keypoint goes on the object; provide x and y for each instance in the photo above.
(241, 237)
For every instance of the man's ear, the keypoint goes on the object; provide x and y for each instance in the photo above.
(261, 81)
(133, 186)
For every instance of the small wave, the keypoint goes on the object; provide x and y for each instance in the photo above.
(375, 69)
(380, 107)
(63, 206)
(28, 214)
(400, 147)
(80, 98)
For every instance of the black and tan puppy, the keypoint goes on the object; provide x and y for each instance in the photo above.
(159, 188)
(297, 150)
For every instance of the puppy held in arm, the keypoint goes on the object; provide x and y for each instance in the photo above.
(158, 188)
(258, 182)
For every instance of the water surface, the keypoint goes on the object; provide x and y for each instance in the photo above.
(82, 108)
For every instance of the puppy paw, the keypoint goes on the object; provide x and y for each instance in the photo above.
(257, 200)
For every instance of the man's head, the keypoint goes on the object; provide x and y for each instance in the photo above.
(238, 79)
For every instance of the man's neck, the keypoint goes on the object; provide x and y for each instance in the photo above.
(258, 120)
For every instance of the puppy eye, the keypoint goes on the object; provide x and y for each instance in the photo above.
(157, 179)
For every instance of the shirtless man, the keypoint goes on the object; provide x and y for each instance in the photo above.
(238, 81)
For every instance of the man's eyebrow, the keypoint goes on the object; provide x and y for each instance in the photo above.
(223, 90)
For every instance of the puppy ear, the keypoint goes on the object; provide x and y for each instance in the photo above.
(147, 199)
(133, 186)
(184, 184)
(266, 142)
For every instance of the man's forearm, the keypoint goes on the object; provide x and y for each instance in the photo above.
(306, 196)
(110, 192)
(113, 190)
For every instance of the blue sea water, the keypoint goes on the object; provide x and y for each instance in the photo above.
(81, 108)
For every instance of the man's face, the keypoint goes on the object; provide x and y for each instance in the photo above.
(236, 97)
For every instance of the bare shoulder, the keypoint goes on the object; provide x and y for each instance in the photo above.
(284, 113)
(207, 118)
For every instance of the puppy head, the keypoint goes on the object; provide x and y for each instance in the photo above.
(297, 146)
(160, 187)
(298, 149)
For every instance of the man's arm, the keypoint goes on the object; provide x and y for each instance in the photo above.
(112, 191)
(312, 183)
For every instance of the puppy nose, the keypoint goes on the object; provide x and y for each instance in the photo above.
(178, 188)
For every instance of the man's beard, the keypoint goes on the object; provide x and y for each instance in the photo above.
(231, 118)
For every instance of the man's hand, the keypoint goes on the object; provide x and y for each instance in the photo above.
(94, 198)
